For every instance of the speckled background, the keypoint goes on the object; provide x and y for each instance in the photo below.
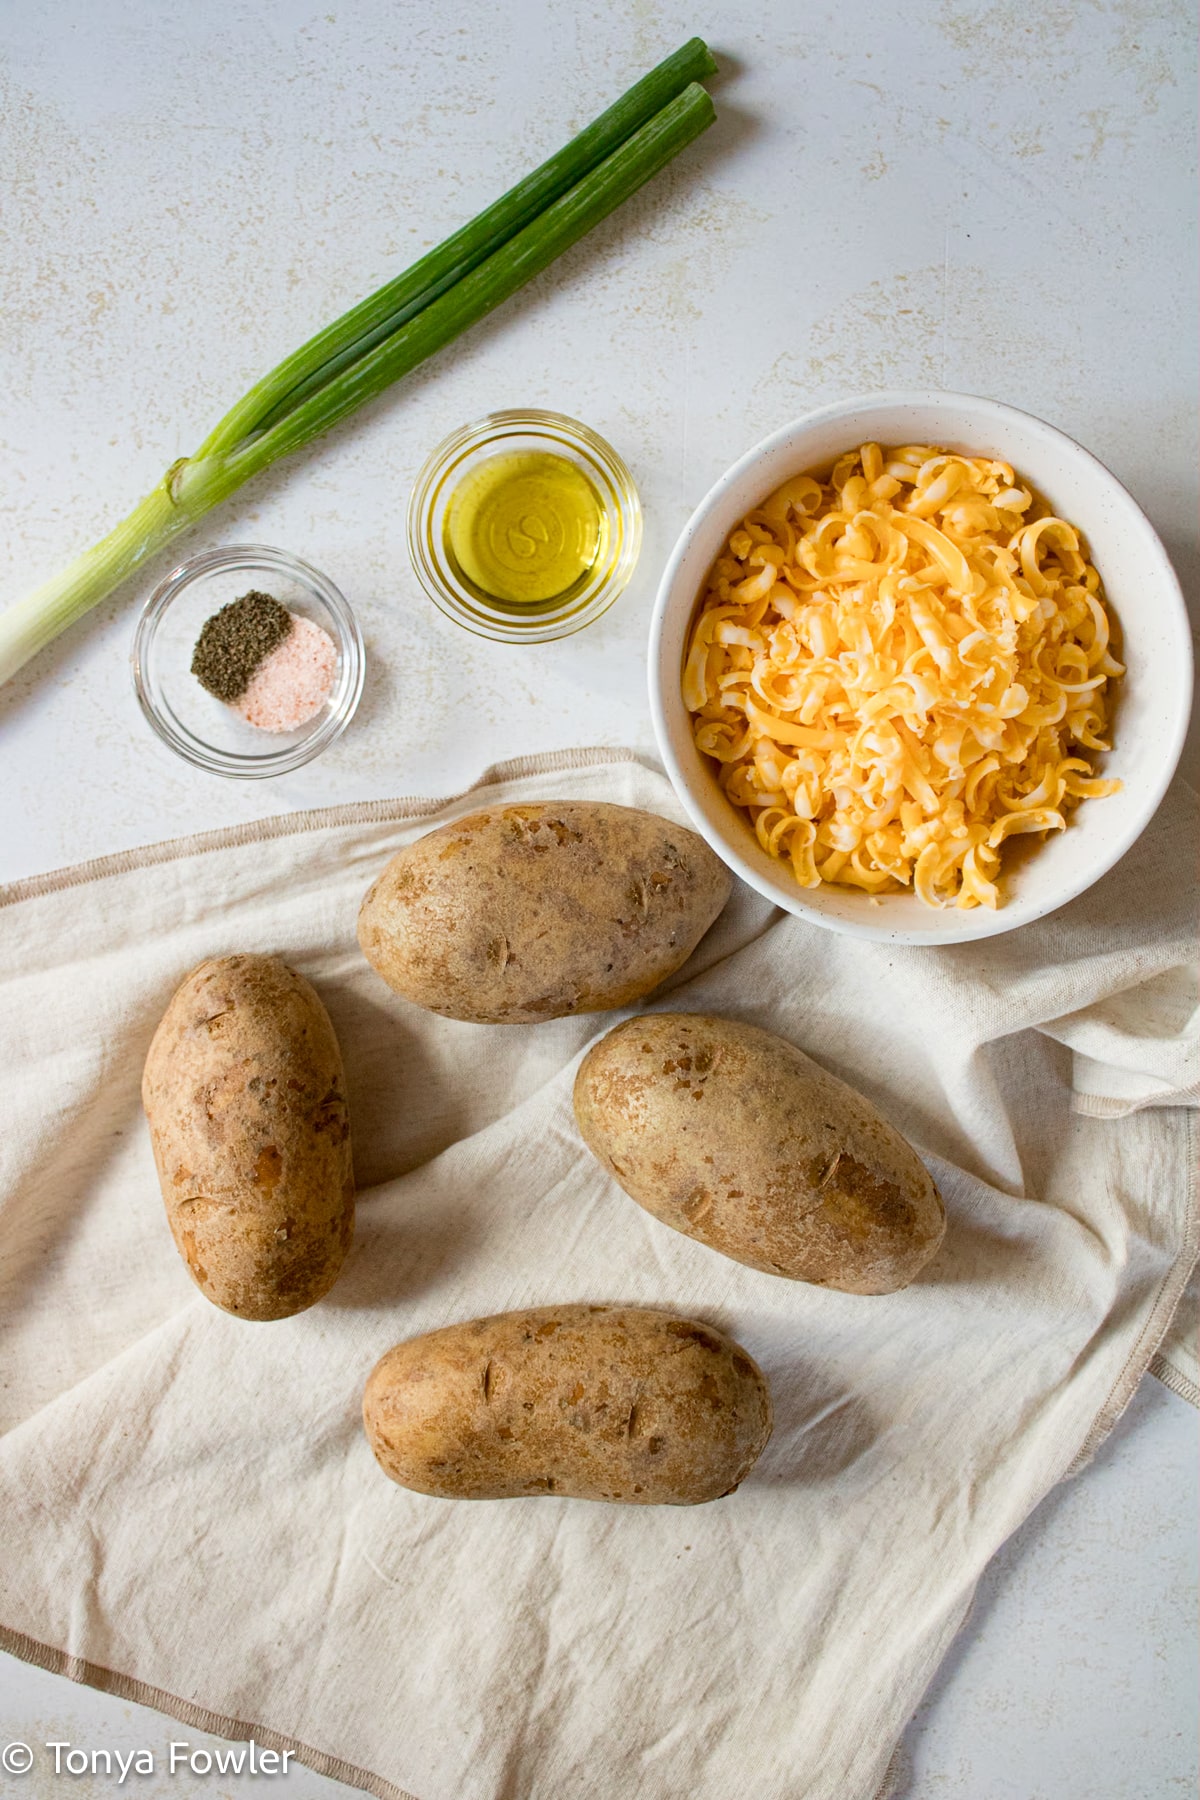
(991, 197)
(987, 197)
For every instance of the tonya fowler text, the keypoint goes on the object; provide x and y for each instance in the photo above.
(180, 1759)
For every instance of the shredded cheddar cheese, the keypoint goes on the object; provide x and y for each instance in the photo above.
(897, 669)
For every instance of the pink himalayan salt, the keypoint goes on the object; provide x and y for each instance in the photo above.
(293, 683)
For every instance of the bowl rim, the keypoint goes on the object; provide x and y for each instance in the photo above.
(239, 765)
(793, 899)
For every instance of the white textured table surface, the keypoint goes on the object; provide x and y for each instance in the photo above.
(986, 197)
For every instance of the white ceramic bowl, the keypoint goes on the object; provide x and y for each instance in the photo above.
(1154, 698)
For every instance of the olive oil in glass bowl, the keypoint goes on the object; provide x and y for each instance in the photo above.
(524, 526)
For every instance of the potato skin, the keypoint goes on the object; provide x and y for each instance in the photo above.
(521, 913)
(595, 1402)
(735, 1137)
(245, 1096)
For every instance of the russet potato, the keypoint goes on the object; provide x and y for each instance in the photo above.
(246, 1100)
(597, 1402)
(521, 913)
(735, 1137)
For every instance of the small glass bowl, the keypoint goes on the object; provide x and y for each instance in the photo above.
(445, 583)
(201, 728)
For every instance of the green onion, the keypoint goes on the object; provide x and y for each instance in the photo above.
(387, 335)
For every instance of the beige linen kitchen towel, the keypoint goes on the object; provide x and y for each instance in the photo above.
(191, 1514)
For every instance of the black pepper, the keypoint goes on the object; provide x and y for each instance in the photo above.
(234, 642)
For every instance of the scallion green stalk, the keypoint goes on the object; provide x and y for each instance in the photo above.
(387, 335)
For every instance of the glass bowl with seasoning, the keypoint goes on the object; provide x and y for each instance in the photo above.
(247, 661)
(524, 526)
